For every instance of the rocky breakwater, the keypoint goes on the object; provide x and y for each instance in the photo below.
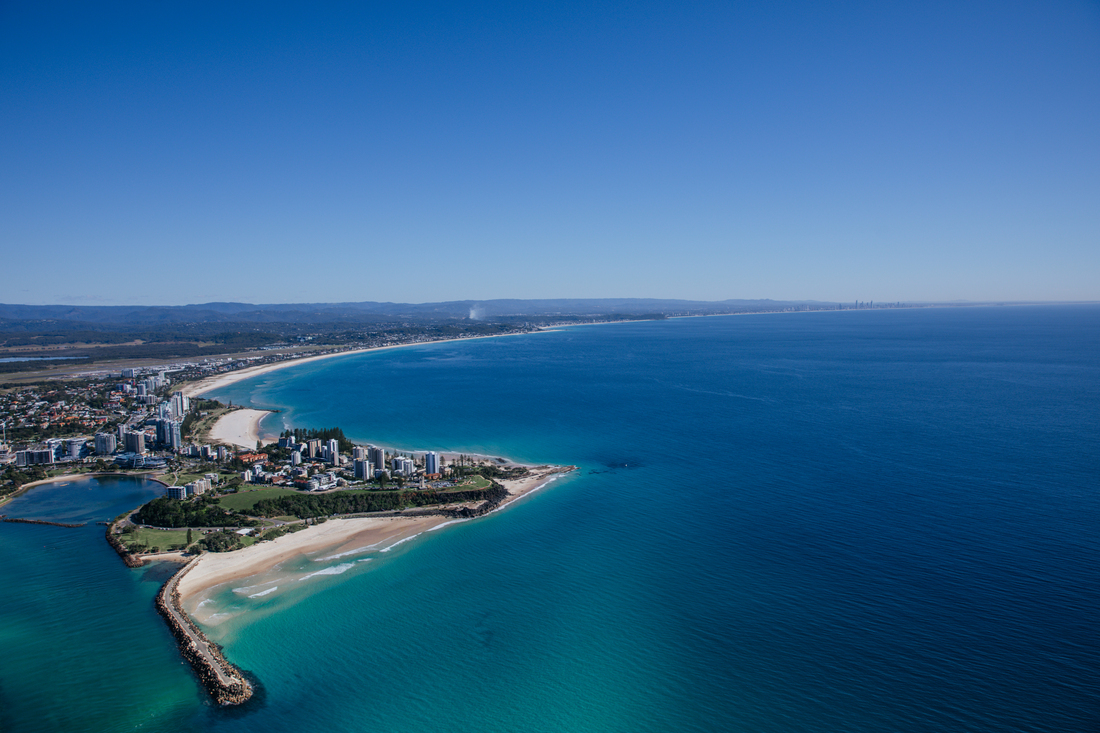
(17, 520)
(131, 560)
(225, 683)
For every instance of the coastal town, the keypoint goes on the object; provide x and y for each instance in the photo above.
(224, 499)
(140, 423)
(136, 418)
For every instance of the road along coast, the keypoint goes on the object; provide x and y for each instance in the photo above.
(225, 683)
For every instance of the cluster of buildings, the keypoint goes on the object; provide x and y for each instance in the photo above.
(145, 421)
(198, 487)
(162, 428)
(51, 451)
(39, 411)
(318, 465)
(144, 391)
(129, 420)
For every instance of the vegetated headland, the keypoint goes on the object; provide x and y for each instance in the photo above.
(275, 523)
(117, 390)
(254, 507)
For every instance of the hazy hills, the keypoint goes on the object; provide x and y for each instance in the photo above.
(19, 317)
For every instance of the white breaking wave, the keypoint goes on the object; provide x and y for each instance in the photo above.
(264, 592)
(245, 589)
(349, 552)
(548, 481)
(441, 526)
(334, 570)
(395, 544)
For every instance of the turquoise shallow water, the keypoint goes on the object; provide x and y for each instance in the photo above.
(845, 521)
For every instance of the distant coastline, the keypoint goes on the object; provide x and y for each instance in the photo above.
(218, 381)
(337, 537)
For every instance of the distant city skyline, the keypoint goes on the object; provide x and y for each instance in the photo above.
(287, 153)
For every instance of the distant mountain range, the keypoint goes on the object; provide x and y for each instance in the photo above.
(369, 312)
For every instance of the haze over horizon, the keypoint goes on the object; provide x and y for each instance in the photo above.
(287, 153)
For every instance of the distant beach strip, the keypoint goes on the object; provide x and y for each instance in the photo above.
(209, 384)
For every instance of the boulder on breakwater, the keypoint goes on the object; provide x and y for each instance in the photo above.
(225, 683)
(130, 560)
(19, 520)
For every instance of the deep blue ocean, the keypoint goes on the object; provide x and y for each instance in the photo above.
(835, 521)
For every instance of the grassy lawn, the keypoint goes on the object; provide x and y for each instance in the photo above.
(201, 428)
(162, 538)
(244, 500)
(471, 483)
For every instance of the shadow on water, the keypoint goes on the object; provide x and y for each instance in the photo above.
(257, 702)
(484, 631)
(160, 572)
(617, 464)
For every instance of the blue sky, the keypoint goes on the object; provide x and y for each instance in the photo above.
(277, 152)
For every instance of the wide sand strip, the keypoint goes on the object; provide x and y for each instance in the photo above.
(335, 536)
(339, 535)
(209, 384)
(194, 389)
(239, 427)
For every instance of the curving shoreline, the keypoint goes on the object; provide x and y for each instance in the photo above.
(72, 477)
(240, 428)
(208, 384)
(351, 533)
(225, 682)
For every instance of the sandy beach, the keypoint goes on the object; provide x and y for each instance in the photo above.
(336, 537)
(240, 428)
(194, 389)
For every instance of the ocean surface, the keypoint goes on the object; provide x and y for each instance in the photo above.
(836, 521)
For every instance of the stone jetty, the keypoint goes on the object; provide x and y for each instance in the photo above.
(225, 683)
(132, 561)
(18, 520)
